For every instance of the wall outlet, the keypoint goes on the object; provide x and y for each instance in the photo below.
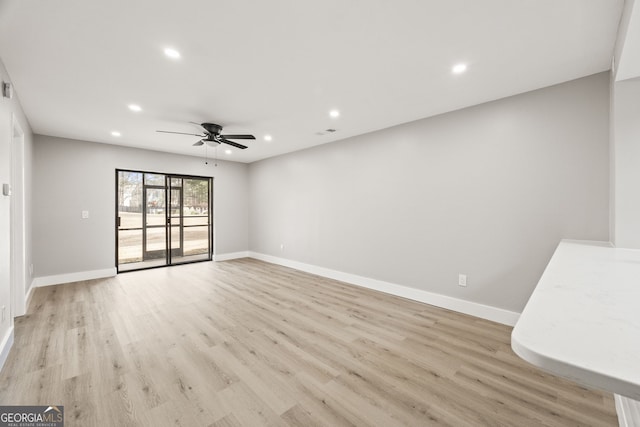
(85, 214)
(462, 280)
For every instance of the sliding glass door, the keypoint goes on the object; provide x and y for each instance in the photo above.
(190, 218)
(162, 219)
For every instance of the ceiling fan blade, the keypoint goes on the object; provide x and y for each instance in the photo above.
(238, 136)
(180, 133)
(199, 143)
(234, 144)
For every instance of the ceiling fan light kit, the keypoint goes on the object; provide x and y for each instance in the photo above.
(212, 135)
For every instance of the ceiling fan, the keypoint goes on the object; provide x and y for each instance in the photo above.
(212, 134)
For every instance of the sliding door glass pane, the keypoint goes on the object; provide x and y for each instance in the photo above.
(129, 246)
(196, 240)
(129, 217)
(155, 207)
(156, 242)
(196, 216)
(175, 240)
(130, 199)
(196, 197)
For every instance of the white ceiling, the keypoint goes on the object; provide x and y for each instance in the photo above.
(279, 66)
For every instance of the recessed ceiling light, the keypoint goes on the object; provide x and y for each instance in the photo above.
(227, 151)
(115, 133)
(459, 68)
(334, 113)
(172, 53)
(135, 107)
(268, 138)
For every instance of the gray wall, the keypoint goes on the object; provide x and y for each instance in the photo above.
(71, 176)
(20, 197)
(626, 170)
(487, 191)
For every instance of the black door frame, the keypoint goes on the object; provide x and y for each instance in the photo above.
(168, 224)
(146, 254)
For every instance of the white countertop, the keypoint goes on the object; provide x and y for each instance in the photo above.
(582, 321)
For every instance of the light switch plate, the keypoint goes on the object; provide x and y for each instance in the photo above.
(85, 214)
(6, 189)
(462, 280)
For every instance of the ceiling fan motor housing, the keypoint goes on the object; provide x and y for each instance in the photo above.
(212, 128)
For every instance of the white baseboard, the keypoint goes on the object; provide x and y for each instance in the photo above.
(73, 277)
(628, 411)
(230, 255)
(494, 314)
(5, 346)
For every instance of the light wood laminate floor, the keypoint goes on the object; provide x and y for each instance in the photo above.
(245, 343)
